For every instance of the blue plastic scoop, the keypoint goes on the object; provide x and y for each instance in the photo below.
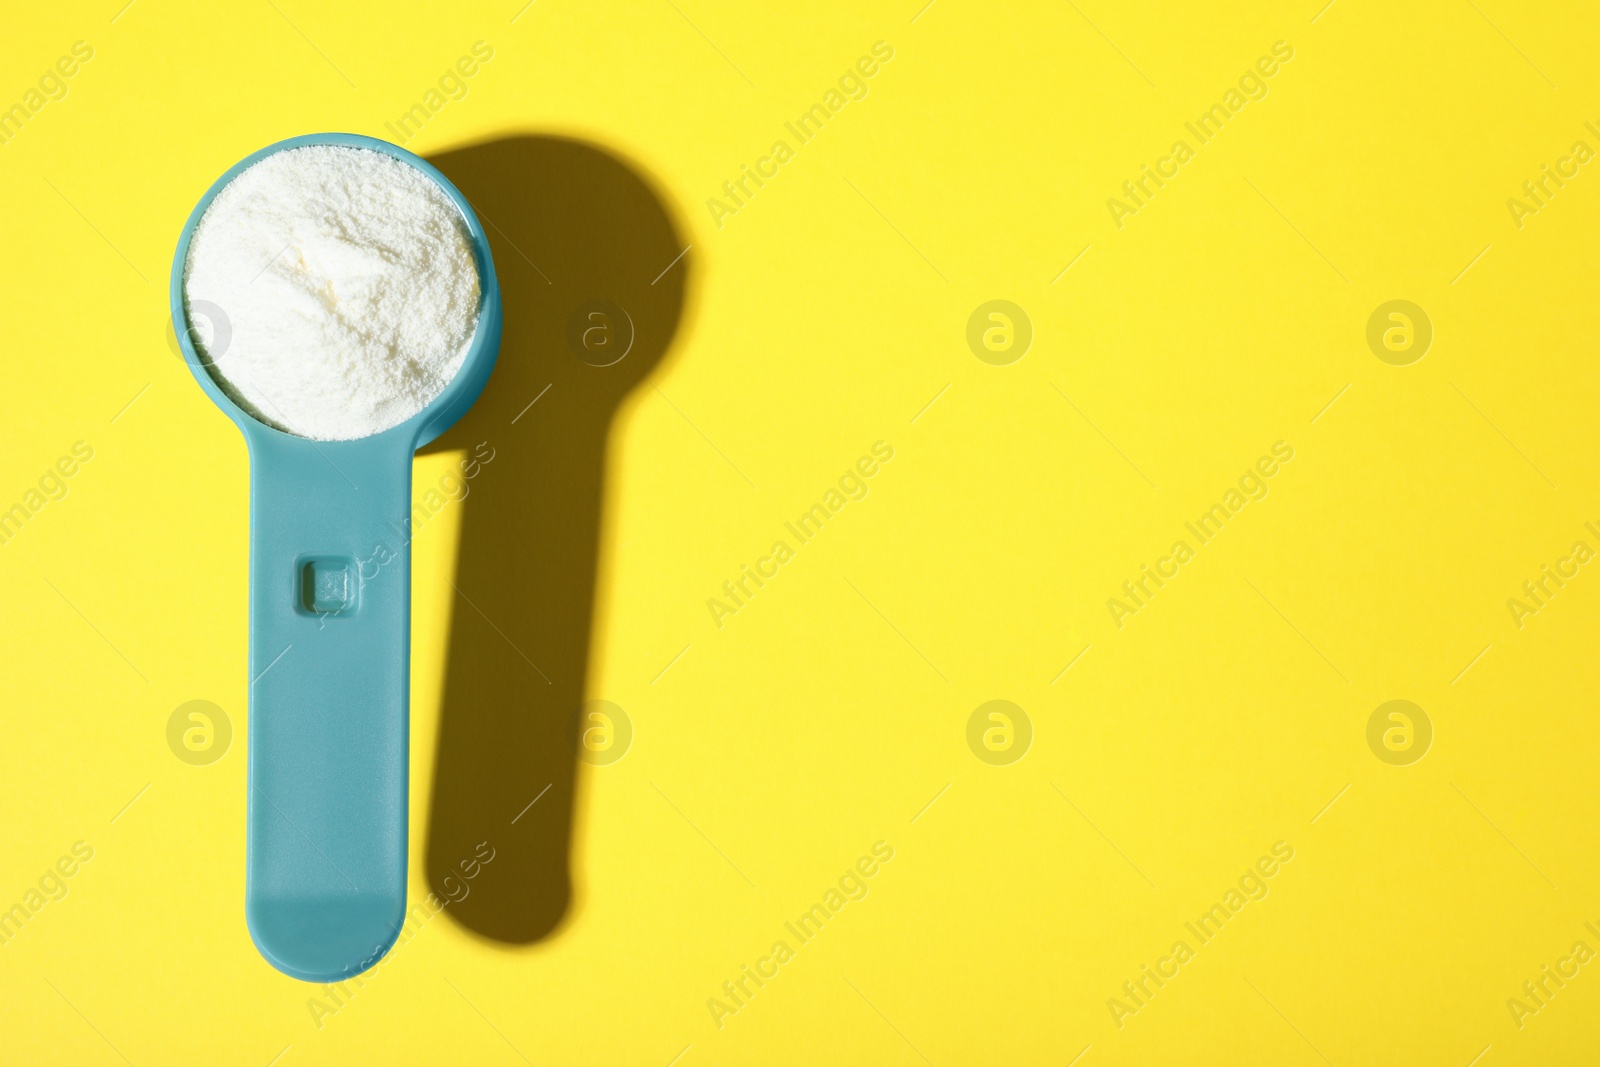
(330, 645)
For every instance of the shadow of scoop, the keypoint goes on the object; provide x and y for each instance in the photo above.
(582, 245)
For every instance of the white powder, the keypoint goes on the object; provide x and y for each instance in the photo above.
(348, 287)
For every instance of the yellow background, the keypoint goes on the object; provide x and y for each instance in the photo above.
(825, 716)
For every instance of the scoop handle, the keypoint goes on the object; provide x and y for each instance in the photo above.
(330, 654)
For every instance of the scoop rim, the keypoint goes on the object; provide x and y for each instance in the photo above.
(482, 350)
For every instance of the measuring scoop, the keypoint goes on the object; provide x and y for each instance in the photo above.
(330, 644)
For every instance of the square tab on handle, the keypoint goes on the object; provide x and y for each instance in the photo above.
(327, 585)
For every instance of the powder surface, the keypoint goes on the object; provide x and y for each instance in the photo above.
(342, 287)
